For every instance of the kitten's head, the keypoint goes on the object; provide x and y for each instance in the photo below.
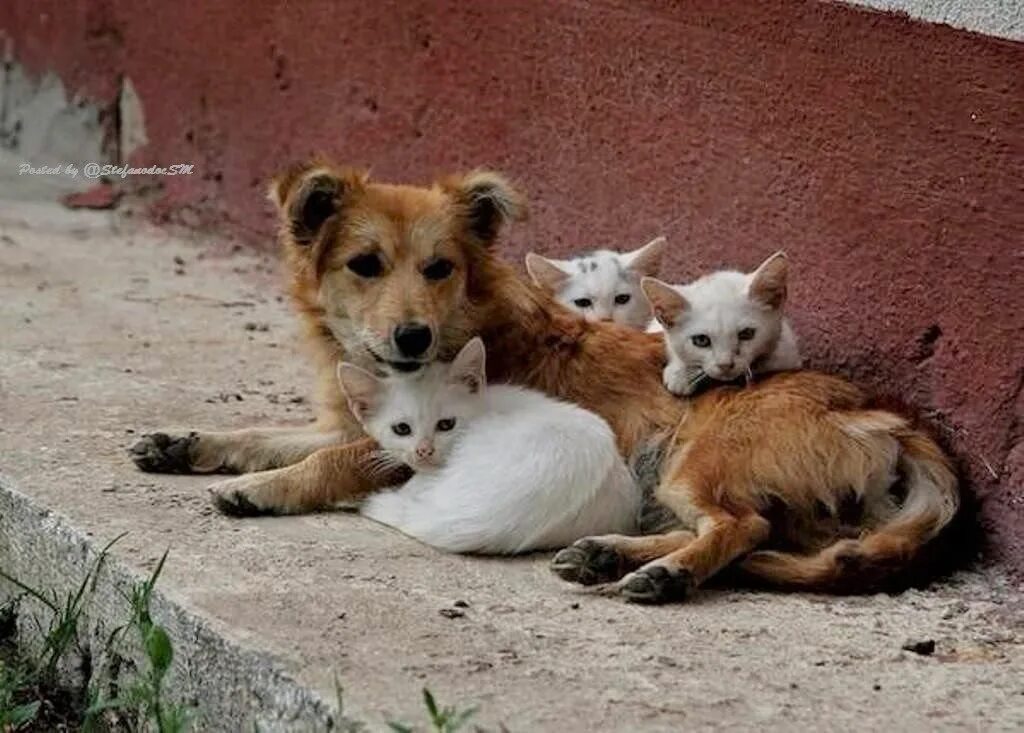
(602, 286)
(724, 322)
(418, 418)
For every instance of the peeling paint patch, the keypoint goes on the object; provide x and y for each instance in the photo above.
(41, 122)
(132, 132)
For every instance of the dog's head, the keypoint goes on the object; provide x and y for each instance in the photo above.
(389, 269)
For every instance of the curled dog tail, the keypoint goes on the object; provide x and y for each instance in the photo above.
(883, 554)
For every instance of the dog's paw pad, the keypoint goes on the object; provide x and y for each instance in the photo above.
(163, 453)
(234, 502)
(588, 562)
(656, 584)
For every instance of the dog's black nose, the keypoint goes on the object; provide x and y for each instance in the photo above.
(413, 339)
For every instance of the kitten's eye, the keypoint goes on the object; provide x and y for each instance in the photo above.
(701, 341)
(622, 299)
(583, 302)
(438, 269)
(401, 429)
(445, 425)
(366, 265)
(746, 334)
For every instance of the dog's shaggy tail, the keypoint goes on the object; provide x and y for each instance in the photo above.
(883, 555)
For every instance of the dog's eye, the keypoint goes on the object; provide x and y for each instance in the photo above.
(446, 424)
(622, 299)
(746, 334)
(701, 341)
(401, 429)
(438, 269)
(366, 265)
(583, 302)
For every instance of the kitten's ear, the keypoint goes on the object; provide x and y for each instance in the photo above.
(647, 259)
(469, 366)
(667, 303)
(768, 282)
(545, 273)
(360, 387)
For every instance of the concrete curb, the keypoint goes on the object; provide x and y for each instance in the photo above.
(232, 688)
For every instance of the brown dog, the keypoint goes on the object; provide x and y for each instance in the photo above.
(393, 277)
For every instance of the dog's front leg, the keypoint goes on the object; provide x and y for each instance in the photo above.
(322, 480)
(237, 451)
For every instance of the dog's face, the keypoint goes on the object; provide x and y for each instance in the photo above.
(389, 268)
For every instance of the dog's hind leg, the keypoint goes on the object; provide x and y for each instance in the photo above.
(606, 558)
(722, 538)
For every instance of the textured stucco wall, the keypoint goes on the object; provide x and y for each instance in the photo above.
(1002, 18)
(885, 155)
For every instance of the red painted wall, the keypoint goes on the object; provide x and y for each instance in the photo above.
(886, 156)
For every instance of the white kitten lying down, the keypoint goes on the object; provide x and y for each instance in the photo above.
(499, 469)
(724, 325)
(603, 285)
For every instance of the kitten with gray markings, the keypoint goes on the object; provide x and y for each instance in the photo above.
(498, 469)
(603, 285)
(724, 325)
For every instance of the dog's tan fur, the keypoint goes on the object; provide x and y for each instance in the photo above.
(800, 439)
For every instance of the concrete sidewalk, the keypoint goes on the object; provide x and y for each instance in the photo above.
(109, 329)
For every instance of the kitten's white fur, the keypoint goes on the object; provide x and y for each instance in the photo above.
(722, 307)
(519, 470)
(590, 284)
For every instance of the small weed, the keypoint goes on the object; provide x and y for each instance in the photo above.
(345, 724)
(448, 719)
(144, 695)
(23, 681)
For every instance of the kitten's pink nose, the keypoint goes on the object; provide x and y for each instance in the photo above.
(425, 450)
(725, 366)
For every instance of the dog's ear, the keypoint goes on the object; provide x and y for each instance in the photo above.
(487, 201)
(361, 388)
(469, 366)
(547, 274)
(647, 259)
(768, 283)
(667, 303)
(309, 194)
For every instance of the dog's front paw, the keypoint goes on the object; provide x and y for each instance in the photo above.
(588, 562)
(245, 496)
(163, 453)
(657, 584)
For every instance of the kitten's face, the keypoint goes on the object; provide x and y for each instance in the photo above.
(417, 419)
(721, 324)
(602, 286)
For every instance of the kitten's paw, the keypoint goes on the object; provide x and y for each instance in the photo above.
(657, 584)
(588, 562)
(677, 381)
(245, 496)
(163, 453)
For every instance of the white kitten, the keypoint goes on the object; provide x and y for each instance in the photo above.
(603, 285)
(724, 325)
(499, 469)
